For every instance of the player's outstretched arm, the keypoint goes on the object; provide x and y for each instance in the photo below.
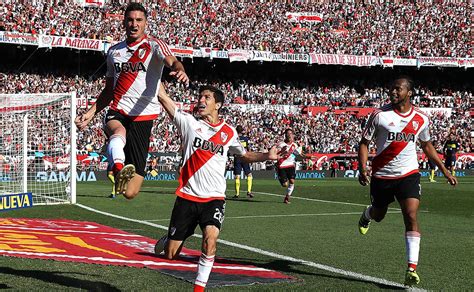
(272, 154)
(363, 156)
(103, 100)
(430, 151)
(177, 69)
(166, 101)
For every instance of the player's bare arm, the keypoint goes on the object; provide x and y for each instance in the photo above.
(430, 151)
(272, 154)
(166, 101)
(177, 69)
(363, 156)
(103, 100)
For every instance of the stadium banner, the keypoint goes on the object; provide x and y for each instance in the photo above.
(311, 17)
(257, 108)
(219, 54)
(16, 201)
(48, 41)
(239, 55)
(288, 57)
(387, 62)
(351, 60)
(18, 38)
(466, 63)
(91, 3)
(438, 61)
(261, 56)
(185, 52)
(404, 62)
(434, 110)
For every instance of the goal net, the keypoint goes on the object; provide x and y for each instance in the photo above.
(38, 146)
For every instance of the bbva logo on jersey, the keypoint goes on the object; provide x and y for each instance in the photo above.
(406, 137)
(129, 67)
(208, 146)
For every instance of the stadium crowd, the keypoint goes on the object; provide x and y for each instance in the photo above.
(341, 129)
(407, 29)
(330, 93)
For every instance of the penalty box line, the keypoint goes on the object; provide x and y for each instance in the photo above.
(350, 274)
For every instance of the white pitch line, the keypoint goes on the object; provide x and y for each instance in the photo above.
(268, 253)
(307, 199)
(281, 215)
(318, 200)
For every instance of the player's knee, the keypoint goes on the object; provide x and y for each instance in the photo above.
(129, 195)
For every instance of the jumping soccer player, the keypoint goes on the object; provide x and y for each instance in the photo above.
(134, 69)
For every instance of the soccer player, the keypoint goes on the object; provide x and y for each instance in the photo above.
(111, 177)
(286, 166)
(201, 191)
(451, 147)
(432, 167)
(239, 165)
(134, 69)
(396, 127)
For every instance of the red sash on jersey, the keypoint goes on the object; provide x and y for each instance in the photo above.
(392, 150)
(126, 79)
(198, 159)
(290, 151)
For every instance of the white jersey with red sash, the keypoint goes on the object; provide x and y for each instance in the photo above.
(137, 69)
(396, 135)
(205, 149)
(289, 160)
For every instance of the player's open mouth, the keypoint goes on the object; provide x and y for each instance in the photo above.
(202, 106)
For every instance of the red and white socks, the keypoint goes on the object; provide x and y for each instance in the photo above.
(204, 270)
(115, 150)
(412, 240)
(290, 189)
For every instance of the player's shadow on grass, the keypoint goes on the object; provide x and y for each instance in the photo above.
(3, 286)
(245, 200)
(57, 278)
(290, 267)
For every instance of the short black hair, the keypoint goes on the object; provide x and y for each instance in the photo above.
(134, 6)
(218, 94)
(240, 129)
(287, 130)
(409, 80)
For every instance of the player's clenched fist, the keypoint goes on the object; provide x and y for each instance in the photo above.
(82, 120)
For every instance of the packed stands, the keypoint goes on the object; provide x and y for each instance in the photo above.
(403, 29)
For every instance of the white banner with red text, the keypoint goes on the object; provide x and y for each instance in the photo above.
(304, 17)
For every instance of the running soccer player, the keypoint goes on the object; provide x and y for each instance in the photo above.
(286, 166)
(396, 127)
(201, 191)
(239, 165)
(134, 70)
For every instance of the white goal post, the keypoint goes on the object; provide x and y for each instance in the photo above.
(38, 146)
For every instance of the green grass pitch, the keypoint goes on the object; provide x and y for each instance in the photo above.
(319, 227)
